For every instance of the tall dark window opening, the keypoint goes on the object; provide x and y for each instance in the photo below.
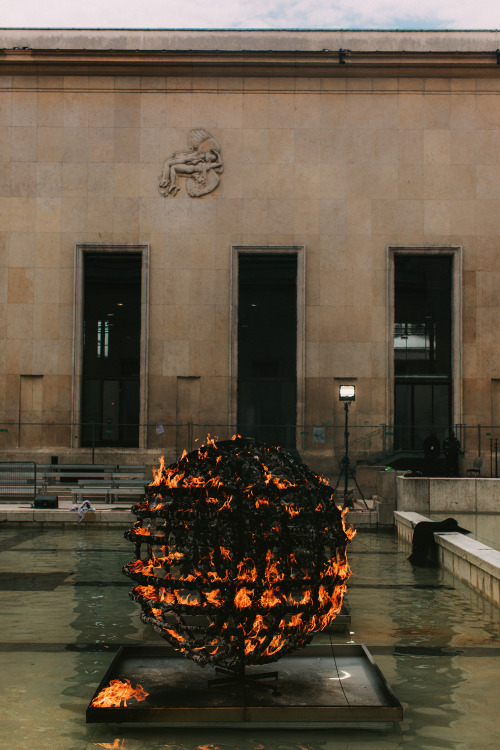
(422, 348)
(267, 347)
(111, 349)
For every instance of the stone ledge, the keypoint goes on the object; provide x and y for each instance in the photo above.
(469, 560)
(360, 519)
(474, 552)
(65, 517)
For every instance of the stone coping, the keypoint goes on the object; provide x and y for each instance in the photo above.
(476, 555)
(222, 40)
(106, 514)
(63, 517)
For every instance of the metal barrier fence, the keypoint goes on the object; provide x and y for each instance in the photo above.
(383, 442)
(323, 438)
(18, 480)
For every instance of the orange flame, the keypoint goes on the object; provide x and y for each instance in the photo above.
(269, 598)
(213, 597)
(274, 646)
(118, 692)
(272, 573)
(142, 531)
(174, 634)
(157, 472)
(149, 592)
(243, 598)
(261, 501)
(247, 570)
(350, 531)
(166, 596)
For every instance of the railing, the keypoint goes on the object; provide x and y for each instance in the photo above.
(374, 443)
(18, 479)
(53, 437)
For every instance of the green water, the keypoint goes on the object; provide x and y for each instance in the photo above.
(65, 610)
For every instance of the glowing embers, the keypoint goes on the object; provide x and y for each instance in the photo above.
(240, 554)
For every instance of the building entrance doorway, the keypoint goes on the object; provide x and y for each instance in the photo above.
(267, 347)
(111, 349)
(422, 348)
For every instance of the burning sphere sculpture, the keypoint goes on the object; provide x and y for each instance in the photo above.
(240, 554)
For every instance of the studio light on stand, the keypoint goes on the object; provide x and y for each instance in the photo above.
(347, 394)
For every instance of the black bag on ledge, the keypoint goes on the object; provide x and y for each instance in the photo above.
(423, 553)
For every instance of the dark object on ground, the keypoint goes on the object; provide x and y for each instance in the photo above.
(407, 463)
(424, 547)
(46, 501)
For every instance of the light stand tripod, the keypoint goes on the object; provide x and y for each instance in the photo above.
(347, 395)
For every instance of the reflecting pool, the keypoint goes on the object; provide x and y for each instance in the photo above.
(65, 611)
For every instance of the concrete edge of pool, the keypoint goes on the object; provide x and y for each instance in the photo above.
(121, 513)
(467, 559)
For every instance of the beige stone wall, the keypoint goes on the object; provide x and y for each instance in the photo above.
(344, 166)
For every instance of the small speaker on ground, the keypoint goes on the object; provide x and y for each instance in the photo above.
(46, 501)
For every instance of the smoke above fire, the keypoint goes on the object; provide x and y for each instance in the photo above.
(240, 554)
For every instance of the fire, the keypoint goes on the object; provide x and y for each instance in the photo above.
(240, 553)
(243, 598)
(246, 570)
(272, 574)
(349, 531)
(166, 597)
(158, 473)
(213, 597)
(269, 599)
(149, 592)
(118, 692)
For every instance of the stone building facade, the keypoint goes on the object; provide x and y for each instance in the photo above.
(350, 179)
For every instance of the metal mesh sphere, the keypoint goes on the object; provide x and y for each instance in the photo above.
(240, 554)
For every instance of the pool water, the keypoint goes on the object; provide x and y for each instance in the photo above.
(65, 610)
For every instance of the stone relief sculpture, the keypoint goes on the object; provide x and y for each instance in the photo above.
(203, 162)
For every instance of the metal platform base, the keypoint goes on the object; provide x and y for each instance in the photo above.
(320, 686)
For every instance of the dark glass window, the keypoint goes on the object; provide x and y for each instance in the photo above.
(111, 349)
(267, 347)
(422, 347)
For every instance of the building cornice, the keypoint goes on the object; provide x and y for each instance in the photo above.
(326, 62)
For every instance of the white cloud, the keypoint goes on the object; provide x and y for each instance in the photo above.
(324, 14)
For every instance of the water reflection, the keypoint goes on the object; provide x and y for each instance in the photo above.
(101, 606)
(224, 739)
(438, 650)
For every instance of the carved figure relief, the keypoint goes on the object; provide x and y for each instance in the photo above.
(203, 163)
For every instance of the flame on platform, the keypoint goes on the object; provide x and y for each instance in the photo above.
(117, 693)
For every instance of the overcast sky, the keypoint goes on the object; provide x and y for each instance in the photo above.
(252, 14)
